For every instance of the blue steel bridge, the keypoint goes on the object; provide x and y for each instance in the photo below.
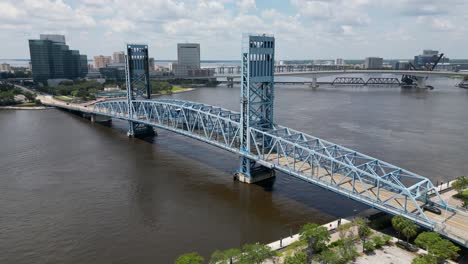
(253, 135)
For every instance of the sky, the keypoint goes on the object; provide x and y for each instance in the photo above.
(304, 29)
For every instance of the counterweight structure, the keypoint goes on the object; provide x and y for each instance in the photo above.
(257, 93)
(138, 84)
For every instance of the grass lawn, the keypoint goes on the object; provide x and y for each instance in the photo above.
(177, 88)
(462, 196)
(28, 104)
(63, 97)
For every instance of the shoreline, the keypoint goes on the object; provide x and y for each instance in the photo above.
(25, 107)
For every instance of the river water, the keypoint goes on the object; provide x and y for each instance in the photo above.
(76, 192)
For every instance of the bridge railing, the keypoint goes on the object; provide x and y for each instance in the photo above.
(353, 174)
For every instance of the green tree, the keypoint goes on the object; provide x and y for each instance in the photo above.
(347, 251)
(443, 250)
(29, 96)
(424, 259)
(231, 254)
(427, 239)
(190, 258)
(363, 230)
(298, 258)
(255, 253)
(317, 238)
(398, 223)
(460, 184)
(226, 256)
(329, 256)
(7, 98)
(409, 230)
(378, 241)
(217, 257)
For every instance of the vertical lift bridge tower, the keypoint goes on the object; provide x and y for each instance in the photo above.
(257, 96)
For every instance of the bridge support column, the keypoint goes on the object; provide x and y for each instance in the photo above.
(251, 173)
(140, 130)
(230, 82)
(421, 82)
(100, 118)
(314, 82)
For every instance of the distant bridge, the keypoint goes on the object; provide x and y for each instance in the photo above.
(420, 76)
(253, 135)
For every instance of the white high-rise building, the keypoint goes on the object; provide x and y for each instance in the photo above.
(339, 61)
(118, 57)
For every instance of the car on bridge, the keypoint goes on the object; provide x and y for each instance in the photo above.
(432, 209)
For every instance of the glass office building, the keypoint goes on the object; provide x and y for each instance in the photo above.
(52, 59)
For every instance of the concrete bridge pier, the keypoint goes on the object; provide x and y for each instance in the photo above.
(421, 82)
(100, 118)
(256, 174)
(140, 130)
(230, 82)
(314, 82)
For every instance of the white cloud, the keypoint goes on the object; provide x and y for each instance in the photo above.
(246, 5)
(303, 28)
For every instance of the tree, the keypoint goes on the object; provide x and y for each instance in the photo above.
(443, 250)
(398, 223)
(190, 258)
(232, 253)
(298, 258)
(226, 256)
(29, 96)
(427, 239)
(424, 259)
(255, 253)
(409, 230)
(363, 230)
(347, 251)
(328, 256)
(460, 184)
(217, 257)
(317, 238)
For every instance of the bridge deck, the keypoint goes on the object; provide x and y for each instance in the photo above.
(346, 172)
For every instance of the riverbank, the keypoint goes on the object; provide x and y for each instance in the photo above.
(24, 107)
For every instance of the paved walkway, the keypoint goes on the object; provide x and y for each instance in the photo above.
(284, 242)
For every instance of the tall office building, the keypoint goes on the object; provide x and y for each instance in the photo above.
(188, 58)
(428, 58)
(151, 64)
(339, 61)
(101, 61)
(373, 63)
(118, 57)
(52, 37)
(51, 58)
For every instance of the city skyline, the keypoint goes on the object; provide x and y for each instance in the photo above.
(304, 29)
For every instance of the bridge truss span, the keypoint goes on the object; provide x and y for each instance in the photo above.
(214, 125)
(345, 171)
(331, 166)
